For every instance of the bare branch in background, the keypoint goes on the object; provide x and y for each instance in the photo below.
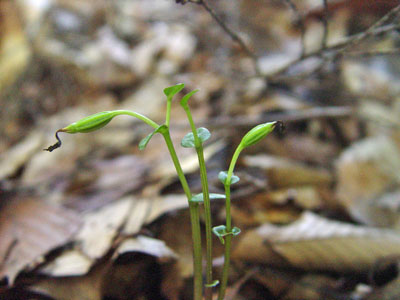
(306, 114)
(300, 22)
(370, 31)
(336, 48)
(371, 53)
(326, 52)
(234, 36)
(325, 24)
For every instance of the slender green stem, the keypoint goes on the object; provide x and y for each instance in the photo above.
(168, 113)
(139, 116)
(228, 238)
(207, 205)
(195, 220)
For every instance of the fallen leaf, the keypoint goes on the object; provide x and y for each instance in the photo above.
(101, 227)
(286, 173)
(70, 263)
(29, 229)
(316, 243)
(146, 245)
(365, 171)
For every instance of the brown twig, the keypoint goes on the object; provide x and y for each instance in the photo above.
(370, 31)
(300, 22)
(368, 53)
(334, 47)
(325, 24)
(233, 35)
(311, 113)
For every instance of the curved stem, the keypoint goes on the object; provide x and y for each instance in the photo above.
(195, 220)
(207, 204)
(228, 238)
(138, 116)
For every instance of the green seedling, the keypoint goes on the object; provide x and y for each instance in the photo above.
(193, 139)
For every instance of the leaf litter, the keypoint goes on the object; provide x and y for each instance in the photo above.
(99, 217)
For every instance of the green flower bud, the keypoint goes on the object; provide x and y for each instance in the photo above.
(90, 123)
(257, 133)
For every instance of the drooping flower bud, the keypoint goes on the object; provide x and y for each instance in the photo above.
(257, 133)
(88, 124)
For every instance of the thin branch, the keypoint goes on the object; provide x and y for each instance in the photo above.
(395, 51)
(334, 47)
(311, 113)
(325, 24)
(300, 22)
(234, 36)
(370, 31)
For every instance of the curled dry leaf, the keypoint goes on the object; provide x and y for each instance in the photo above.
(18, 155)
(70, 263)
(101, 227)
(365, 171)
(315, 243)
(29, 229)
(146, 245)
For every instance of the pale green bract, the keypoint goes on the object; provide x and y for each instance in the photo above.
(212, 196)
(220, 232)
(223, 175)
(188, 140)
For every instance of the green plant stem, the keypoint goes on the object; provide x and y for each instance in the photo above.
(228, 238)
(195, 220)
(138, 116)
(168, 112)
(207, 204)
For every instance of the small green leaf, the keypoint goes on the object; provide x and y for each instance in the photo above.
(220, 232)
(188, 140)
(173, 90)
(212, 284)
(212, 196)
(203, 134)
(236, 231)
(143, 143)
(186, 98)
(197, 198)
(223, 175)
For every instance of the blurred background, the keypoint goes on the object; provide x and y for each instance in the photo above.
(318, 202)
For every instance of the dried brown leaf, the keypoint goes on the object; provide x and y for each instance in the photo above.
(286, 173)
(29, 229)
(315, 243)
(365, 171)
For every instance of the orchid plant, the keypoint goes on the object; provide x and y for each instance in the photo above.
(193, 139)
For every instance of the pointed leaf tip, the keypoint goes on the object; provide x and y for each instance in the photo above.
(186, 98)
(173, 90)
(143, 143)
